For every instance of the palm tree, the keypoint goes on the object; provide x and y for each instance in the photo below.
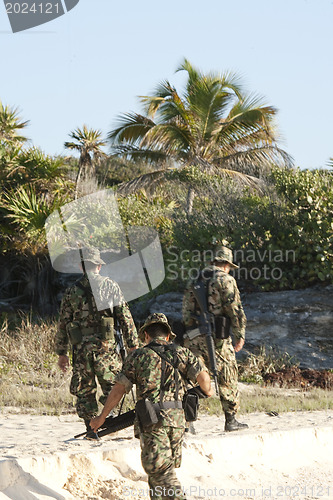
(89, 143)
(10, 124)
(212, 125)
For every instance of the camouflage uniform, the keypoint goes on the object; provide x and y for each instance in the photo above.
(223, 299)
(161, 446)
(93, 356)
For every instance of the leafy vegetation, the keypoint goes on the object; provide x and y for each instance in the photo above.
(173, 169)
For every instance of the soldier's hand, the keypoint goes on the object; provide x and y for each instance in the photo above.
(239, 345)
(96, 422)
(63, 362)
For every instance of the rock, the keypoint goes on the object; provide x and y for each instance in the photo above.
(170, 304)
(304, 379)
(299, 322)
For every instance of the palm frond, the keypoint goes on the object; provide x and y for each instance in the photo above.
(173, 139)
(27, 210)
(132, 128)
(133, 152)
(255, 157)
(147, 181)
(10, 123)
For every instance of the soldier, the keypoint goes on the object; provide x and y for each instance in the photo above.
(224, 303)
(91, 333)
(158, 384)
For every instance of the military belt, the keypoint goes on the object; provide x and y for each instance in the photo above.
(88, 331)
(166, 405)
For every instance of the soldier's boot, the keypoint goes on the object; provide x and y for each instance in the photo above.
(189, 427)
(231, 423)
(92, 435)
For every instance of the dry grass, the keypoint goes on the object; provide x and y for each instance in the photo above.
(255, 398)
(31, 380)
(257, 365)
(30, 377)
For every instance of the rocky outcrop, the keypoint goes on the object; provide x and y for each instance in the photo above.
(299, 322)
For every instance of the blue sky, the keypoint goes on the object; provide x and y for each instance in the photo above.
(90, 65)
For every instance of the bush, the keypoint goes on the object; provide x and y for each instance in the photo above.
(282, 237)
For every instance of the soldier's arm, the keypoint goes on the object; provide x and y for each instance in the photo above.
(65, 317)
(188, 307)
(61, 339)
(123, 316)
(232, 307)
(195, 370)
(203, 380)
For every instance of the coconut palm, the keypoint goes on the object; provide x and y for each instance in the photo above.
(89, 143)
(213, 125)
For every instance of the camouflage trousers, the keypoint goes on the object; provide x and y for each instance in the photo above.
(161, 453)
(93, 360)
(227, 369)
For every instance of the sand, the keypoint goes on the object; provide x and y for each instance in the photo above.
(286, 456)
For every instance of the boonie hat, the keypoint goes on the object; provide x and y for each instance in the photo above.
(223, 254)
(91, 254)
(156, 318)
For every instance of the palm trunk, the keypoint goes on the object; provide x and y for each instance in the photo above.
(77, 180)
(190, 200)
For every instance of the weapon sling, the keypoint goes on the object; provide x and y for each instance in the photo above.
(149, 413)
(190, 402)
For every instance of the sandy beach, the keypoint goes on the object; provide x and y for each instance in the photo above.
(285, 456)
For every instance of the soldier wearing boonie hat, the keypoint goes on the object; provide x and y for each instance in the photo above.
(92, 255)
(90, 331)
(156, 318)
(159, 370)
(223, 254)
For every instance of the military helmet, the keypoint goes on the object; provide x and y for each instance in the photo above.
(223, 254)
(156, 318)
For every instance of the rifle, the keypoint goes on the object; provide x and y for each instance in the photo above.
(118, 334)
(112, 424)
(206, 320)
(119, 341)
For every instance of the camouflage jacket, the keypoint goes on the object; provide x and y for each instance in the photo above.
(75, 308)
(143, 368)
(223, 299)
